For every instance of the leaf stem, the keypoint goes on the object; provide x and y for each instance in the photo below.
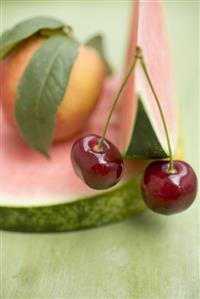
(144, 67)
(125, 80)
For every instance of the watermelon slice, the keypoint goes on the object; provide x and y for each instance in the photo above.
(142, 133)
(45, 195)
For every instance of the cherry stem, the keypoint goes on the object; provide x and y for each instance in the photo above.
(139, 56)
(144, 67)
(125, 80)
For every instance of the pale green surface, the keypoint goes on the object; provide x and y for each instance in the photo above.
(149, 256)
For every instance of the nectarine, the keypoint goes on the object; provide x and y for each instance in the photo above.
(81, 94)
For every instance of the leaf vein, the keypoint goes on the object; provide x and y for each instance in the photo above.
(37, 101)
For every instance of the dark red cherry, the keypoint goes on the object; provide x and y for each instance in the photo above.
(99, 168)
(169, 193)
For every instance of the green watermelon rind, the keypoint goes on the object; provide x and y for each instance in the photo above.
(144, 143)
(104, 208)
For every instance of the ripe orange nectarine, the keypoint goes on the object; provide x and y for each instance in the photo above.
(81, 94)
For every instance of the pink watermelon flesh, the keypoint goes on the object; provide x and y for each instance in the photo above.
(148, 31)
(28, 178)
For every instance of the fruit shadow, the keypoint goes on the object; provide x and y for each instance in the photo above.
(148, 222)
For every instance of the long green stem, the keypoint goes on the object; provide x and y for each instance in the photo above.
(144, 67)
(139, 56)
(130, 71)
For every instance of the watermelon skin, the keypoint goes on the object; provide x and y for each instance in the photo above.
(144, 131)
(94, 211)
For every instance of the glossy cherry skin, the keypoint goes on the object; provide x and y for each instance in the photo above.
(169, 193)
(98, 168)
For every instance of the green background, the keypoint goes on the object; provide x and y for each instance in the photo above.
(149, 256)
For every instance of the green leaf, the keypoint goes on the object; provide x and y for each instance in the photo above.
(96, 42)
(42, 89)
(11, 38)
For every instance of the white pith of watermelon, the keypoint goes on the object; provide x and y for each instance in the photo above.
(148, 31)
